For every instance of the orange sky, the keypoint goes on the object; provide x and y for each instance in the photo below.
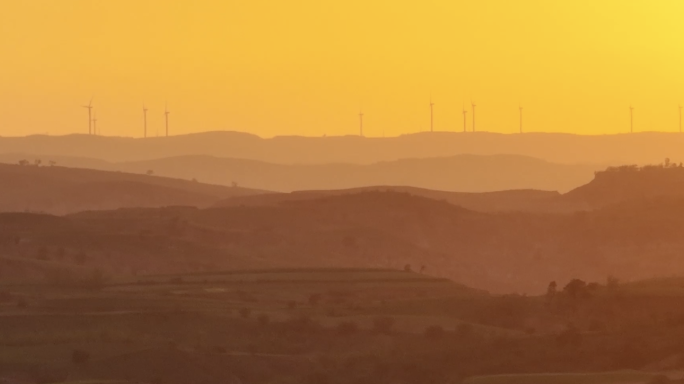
(305, 66)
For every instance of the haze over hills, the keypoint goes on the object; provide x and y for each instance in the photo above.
(639, 148)
(500, 252)
(60, 190)
(462, 173)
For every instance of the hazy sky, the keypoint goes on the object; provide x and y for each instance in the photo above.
(306, 66)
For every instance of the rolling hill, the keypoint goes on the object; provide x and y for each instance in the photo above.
(60, 190)
(500, 252)
(461, 173)
(637, 148)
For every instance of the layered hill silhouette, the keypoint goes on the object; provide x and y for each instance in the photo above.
(500, 252)
(461, 173)
(637, 148)
(501, 201)
(60, 190)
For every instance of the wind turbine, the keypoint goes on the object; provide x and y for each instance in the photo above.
(145, 119)
(473, 105)
(166, 118)
(431, 115)
(95, 123)
(631, 119)
(360, 123)
(464, 118)
(520, 108)
(89, 107)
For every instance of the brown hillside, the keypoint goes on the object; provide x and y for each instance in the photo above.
(60, 190)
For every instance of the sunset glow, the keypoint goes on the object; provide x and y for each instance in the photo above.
(306, 67)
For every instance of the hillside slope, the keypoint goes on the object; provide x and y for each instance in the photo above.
(461, 173)
(500, 252)
(638, 148)
(60, 190)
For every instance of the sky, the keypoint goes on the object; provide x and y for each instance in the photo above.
(307, 67)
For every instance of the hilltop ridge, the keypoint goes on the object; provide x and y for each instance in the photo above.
(639, 148)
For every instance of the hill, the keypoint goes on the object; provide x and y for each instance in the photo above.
(501, 201)
(617, 184)
(60, 190)
(637, 148)
(344, 326)
(499, 252)
(461, 173)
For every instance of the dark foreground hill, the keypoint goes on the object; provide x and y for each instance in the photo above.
(638, 148)
(502, 252)
(461, 173)
(501, 201)
(60, 190)
(341, 326)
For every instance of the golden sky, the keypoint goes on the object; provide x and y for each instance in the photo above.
(305, 67)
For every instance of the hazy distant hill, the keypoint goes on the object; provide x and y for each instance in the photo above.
(639, 148)
(503, 252)
(617, 184)
(462, 173)
(512, 200)
(63, 190)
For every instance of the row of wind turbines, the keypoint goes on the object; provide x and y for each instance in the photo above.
(92, 120)
(520, 109)
(432, 119)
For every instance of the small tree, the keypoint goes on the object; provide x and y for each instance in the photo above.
(37, 162)
(576, 288)
(551, 292)
(23, 162)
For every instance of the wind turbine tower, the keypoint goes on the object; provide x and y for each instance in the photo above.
(361, 123)
(166, 119)
(145, 120)
(89, 107)
(431, 116)
(473, 105)
(631, 119)
(95, 123)
(520, 108)
(464, 118)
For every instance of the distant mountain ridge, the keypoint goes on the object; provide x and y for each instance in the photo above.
(459, 173)
(60, 190)
(638, 148)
